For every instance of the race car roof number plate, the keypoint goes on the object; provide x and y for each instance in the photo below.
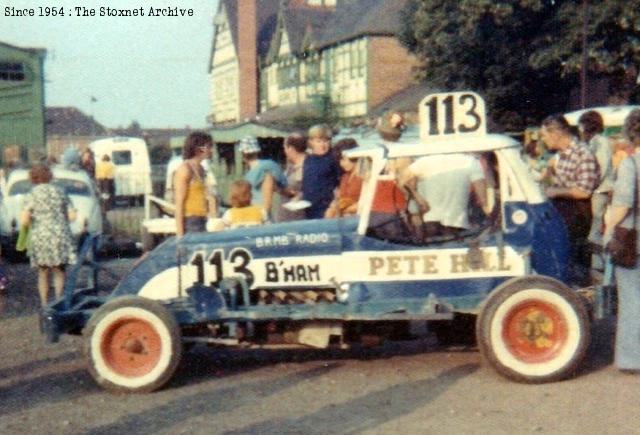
(451, 115)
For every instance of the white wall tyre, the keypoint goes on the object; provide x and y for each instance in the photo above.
(132, 344)
(533, 330)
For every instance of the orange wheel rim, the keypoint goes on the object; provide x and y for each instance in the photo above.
(131, 347)
(535, 331)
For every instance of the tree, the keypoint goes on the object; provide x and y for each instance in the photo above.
(612, 37)
(522, 55)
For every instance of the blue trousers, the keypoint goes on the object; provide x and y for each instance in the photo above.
(195, 224)
(628, 328)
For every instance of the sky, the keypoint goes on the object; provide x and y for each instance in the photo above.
(119, 69)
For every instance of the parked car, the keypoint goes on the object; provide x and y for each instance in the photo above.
(78, 187)
(339, 282)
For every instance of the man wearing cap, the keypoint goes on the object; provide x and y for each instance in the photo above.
(265, 176)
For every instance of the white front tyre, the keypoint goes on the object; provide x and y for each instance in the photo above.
(132, 344)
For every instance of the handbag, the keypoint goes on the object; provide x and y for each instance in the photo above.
(622, 246)
(22, 244)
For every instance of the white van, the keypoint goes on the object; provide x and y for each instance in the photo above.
(133, 167)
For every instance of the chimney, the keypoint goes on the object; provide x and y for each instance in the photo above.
(248, 58)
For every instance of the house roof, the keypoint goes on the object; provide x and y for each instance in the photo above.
(327, 26)
(64, 121)
(357, 18)
(39, 51)
(300, 19)
(406, 100)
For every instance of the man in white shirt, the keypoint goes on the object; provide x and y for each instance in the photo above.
(444, 185)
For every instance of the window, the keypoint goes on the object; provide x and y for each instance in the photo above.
(288, 74)
(12, 71)
(121, 157)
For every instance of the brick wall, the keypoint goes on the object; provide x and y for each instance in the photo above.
(390, 69)
(247, 58)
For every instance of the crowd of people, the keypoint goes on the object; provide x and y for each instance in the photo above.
(577, 168)
(312, 177)
(321, 181)
(593, 182)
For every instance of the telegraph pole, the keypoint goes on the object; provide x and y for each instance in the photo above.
(585, 58)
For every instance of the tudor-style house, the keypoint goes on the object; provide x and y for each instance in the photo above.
(274, 59)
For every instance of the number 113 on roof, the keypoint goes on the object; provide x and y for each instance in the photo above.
(452, 114)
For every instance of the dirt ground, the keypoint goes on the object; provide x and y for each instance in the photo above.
(411, 387)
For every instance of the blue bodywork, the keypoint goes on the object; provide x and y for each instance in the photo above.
(540, 240)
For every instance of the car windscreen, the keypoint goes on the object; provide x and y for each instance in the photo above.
(20, 187)
(73, 187)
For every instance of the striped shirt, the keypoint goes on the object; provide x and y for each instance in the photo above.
(577, 167)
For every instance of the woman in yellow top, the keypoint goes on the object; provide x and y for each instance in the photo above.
(191, 198)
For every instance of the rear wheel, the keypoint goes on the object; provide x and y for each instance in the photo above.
(534, 330)
(132, 344)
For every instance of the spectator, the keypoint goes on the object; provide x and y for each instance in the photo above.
(193, 204)
(295, 147)
(71, 159)
(211, 184)
(320, 172)
(14, 163)
(347, 195)
(242, 213)
(576, 177)
(106, 180)
(390, 126)
(47, 210)
(87, 162)
(265, 176)
(444, 184)
(591, 126)
(538, 157)
(621, 150)
(625, 209)
(388, 220)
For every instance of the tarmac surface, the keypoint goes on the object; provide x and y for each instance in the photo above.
(408, 387)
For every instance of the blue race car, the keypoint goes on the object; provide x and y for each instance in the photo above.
(338, 282)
